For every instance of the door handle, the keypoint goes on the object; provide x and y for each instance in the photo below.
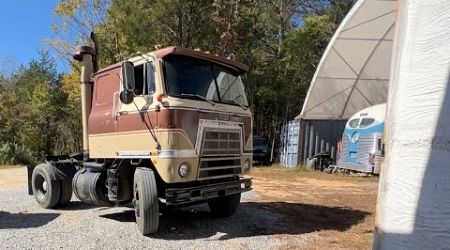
(115, 109)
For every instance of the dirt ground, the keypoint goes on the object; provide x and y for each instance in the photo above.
(11, 178)
(339, 208)
(313, 210)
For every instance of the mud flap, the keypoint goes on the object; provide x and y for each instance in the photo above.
(30, 174)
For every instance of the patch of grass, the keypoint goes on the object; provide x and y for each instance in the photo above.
(303, 168)
(301, 171)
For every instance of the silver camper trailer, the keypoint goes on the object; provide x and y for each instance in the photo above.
(362, 147)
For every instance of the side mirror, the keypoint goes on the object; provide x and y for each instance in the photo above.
(126, 96)
(128, 76)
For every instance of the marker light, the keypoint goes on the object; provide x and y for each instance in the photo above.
(160, 97)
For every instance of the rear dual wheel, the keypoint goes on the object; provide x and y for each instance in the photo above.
(49, 190)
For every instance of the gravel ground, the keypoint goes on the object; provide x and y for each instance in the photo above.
(25, 225)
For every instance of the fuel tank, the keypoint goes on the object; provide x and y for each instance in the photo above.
(89, 185)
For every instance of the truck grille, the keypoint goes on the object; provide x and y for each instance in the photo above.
(211, 168)
(221, 143)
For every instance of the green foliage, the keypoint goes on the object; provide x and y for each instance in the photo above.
(281, 40)
(35, 114)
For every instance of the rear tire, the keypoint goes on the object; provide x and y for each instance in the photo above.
(46, 187)
(224, 206)
(146, 203)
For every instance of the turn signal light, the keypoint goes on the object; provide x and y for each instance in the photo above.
(159, 97)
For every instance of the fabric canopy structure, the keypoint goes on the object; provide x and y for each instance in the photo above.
(354, 71)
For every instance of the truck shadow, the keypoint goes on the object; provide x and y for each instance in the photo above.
(23, 220)
(77, 205)
(251, 219)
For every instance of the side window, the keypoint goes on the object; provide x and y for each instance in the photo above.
(366, 122)
(353, 123)
(149, 78)
(139, 78)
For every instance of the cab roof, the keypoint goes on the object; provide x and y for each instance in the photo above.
(161, 53)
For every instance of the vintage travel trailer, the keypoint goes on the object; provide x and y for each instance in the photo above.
(362, 141)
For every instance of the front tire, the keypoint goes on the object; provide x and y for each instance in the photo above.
(46, 187)
(146, 203)
(224, 206)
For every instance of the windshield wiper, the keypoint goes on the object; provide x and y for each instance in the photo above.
(199, 97)
(237, 103)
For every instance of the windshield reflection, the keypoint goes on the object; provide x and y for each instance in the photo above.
(193, 78)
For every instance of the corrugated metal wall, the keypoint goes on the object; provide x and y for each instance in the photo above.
(289, 144)
(301, 140)
(318, 136)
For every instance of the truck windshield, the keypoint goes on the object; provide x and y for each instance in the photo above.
(193, 78)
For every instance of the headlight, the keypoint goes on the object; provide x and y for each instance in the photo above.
(355, 137)
(183, 169)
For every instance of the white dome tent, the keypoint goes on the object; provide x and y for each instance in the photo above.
(353, 74)
(354, 71)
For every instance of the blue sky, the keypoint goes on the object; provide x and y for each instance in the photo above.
(24, 25)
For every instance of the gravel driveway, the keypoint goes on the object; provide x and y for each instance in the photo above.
(24, 225)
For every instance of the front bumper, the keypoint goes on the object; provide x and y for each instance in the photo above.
(184, 196)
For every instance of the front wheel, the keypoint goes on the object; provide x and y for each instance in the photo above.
(146, 201)
(224, 206)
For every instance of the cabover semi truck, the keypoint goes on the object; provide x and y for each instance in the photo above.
(167, 128)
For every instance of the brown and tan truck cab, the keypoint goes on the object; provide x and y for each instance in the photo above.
(167, 128)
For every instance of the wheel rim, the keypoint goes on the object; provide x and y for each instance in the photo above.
(41, 187)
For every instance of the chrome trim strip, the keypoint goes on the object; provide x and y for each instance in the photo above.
(218, 176)
(219, 159)
(216, 168)
(162, 154)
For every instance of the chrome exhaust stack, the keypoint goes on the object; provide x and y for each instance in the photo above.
(86, 55)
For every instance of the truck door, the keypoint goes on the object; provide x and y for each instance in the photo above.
(136, 119)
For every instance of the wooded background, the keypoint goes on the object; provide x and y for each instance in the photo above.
(281, 40)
